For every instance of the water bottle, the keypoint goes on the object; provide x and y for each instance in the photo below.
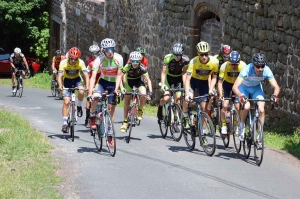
(227, 117)
(192, 117)
(214, 112)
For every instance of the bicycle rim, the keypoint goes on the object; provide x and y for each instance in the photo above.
(259, 142)
(207, 136)
(189, 138)
(97, 138)
(131, 114)
(247, 140)
(53, 89)
(72, 121)
(20, 88)
(175, 126)
(235, 121)
(163, 124)
(108, 121)
(225, 137)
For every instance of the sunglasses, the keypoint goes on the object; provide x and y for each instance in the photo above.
(73, 59)
(112, 49)
(94, 53)
(234, 64)
(258, 67)
(135, 61)
(205, 54)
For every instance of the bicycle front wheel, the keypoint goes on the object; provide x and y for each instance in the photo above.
(163, 124)
(130, 121)
(235, 122)
(258, 142)
(97, 137)
(20, 86)
(175, 125)
(110, 134)
(72, 121)
(207, 135)
(53, 88)
(248, 138)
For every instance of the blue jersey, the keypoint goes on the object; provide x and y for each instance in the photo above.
(251, 78)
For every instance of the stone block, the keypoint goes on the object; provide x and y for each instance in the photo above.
(283, 48)
(282, 58)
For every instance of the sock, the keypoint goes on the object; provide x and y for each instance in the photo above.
(92, 114)
(184, 114)
(65, 120)
(79, 103)
(242, 124)
(223, 122)
(208, 112)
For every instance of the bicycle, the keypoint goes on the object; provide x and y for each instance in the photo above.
(253, 127)
(20, 85)
(103, 121)
(202, 127)
(54, 88)
(172, 116)
(132, 119)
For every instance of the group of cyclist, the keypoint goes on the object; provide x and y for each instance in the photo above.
(105, 71)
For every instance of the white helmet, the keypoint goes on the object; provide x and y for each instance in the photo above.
(108, 43)
(135, 55)
(17, 50)
(94, 48)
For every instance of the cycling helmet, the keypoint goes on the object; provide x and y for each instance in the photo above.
(141, 50)
(74, 53)
(58, 53)
(108, 43)
(225, 49)
(135, 55)
(259, 59)
(203, 47)
(177, 49)
(234, 57)
(94, 48)
(17, 50)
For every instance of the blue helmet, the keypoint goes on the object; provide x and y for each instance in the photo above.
(234, 57)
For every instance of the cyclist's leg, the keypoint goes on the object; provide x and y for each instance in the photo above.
(110, 87)
(98, 90)
(166, 95)
(13, 80)
(79, 84)
(243, 113)
(227, 87)
(66, 101)
(126, 105)
(259, 94)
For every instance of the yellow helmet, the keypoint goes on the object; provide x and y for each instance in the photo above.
(203, 47)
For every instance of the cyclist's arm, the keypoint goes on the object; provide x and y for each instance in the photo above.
(25, 62)
(220, 87)
(213, 82)
(59, 79)
(274, 84)
(53, 65)
(163, 75)
(184, 74)
(92, 82)
(235, 87)
(187, 84)
(119, 80)
(149, 82)
(12, 63)
(87, 79)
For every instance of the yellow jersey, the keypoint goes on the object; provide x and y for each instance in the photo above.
(71, 71)
(228, 74)
(202, 71)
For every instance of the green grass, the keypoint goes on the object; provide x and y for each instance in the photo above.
(26, 167)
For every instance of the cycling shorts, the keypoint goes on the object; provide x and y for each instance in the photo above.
(227, 88)
(130, 83)
(71, 83)
(20, 66)
(176, 81)
(255, 91)
(202, 86)
(108, 86)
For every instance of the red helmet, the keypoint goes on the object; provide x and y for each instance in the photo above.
(225, 49)
(74, 53)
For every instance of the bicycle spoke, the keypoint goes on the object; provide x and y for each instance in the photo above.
(234, 128)
(247, 141)
(175, 123)
(109, 134)
(163, 124)
(207, 136)
(97, 137)
(189, 138)
(258, 142)
(131, 121)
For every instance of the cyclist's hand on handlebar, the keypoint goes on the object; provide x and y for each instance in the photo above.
(221, 98)
(54, 71)
(15, 70)
(123, 90)
(243, 99)
(89, 98)
(149, 95)
(274, 98)
(162, 88)
(187, 98)
(60, 88)
(212, 93)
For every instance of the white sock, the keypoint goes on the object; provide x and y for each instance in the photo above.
(65, 120)
(92, 114)
(242, 125)
(79, 103)
(184, 114)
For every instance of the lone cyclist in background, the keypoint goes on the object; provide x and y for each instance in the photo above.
(55, 63)
(17, 62)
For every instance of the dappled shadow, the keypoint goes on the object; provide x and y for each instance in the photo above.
(63, 136)
(125, 138)
(152, 136)
(186, 149)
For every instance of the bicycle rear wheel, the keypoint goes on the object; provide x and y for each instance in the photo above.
(97, 138)
(130, 121)
(72, 120)
(53, 88)
(163, 124)
(189, 138)
(248, 139)
(258, 142)
(175, 122)
(235, 121)
(207, 135)
(110, 133)
(20, 86)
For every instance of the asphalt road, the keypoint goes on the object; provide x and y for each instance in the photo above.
(152, 167)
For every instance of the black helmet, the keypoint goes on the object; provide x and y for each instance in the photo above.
(259, 59)
(177, 49)
(58, 53)
(141, 50)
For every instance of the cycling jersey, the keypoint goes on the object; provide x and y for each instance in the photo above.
(228, 74)
(71, 71)
(16, 60)
(175, 68)
(134, 73)
(89, 68)
(108, 67)
(251, 78)
(202, 71)
(57, 61)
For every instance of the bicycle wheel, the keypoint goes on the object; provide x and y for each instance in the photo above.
(207, 135)
(234, 124)
(53, 88)
(175, 122)
(258, 142)
(163, 124)
(97, 137)
(130, 121)
(20, 87)
(72, 120)
(109, 133)
(248, 139)
(189, 138)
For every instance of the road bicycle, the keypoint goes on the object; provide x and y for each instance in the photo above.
(54, 88)
(171, 116)
(254, 134)
(20, 85)
(103, 122)
(200, 125)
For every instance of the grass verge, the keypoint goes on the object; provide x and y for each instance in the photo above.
(26, 166)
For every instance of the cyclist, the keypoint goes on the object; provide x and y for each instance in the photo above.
(173, 73)
(198, 72)
(70, 69)
(249, 82)
(229, 71)
(95, 52)
(55, 63)
(108, 64)
(134, 71)
(17, 62)
(224, 54)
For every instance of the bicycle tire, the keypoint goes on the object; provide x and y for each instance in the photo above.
(174, 130)
(258, 151)
(72, 125)
(131, 121)
(53, 88)
(207, 135)
(97, 138)
(235, 121)
(20, 88)
(163, 124)
(107, 120)
(248, 139)
(189, 138)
